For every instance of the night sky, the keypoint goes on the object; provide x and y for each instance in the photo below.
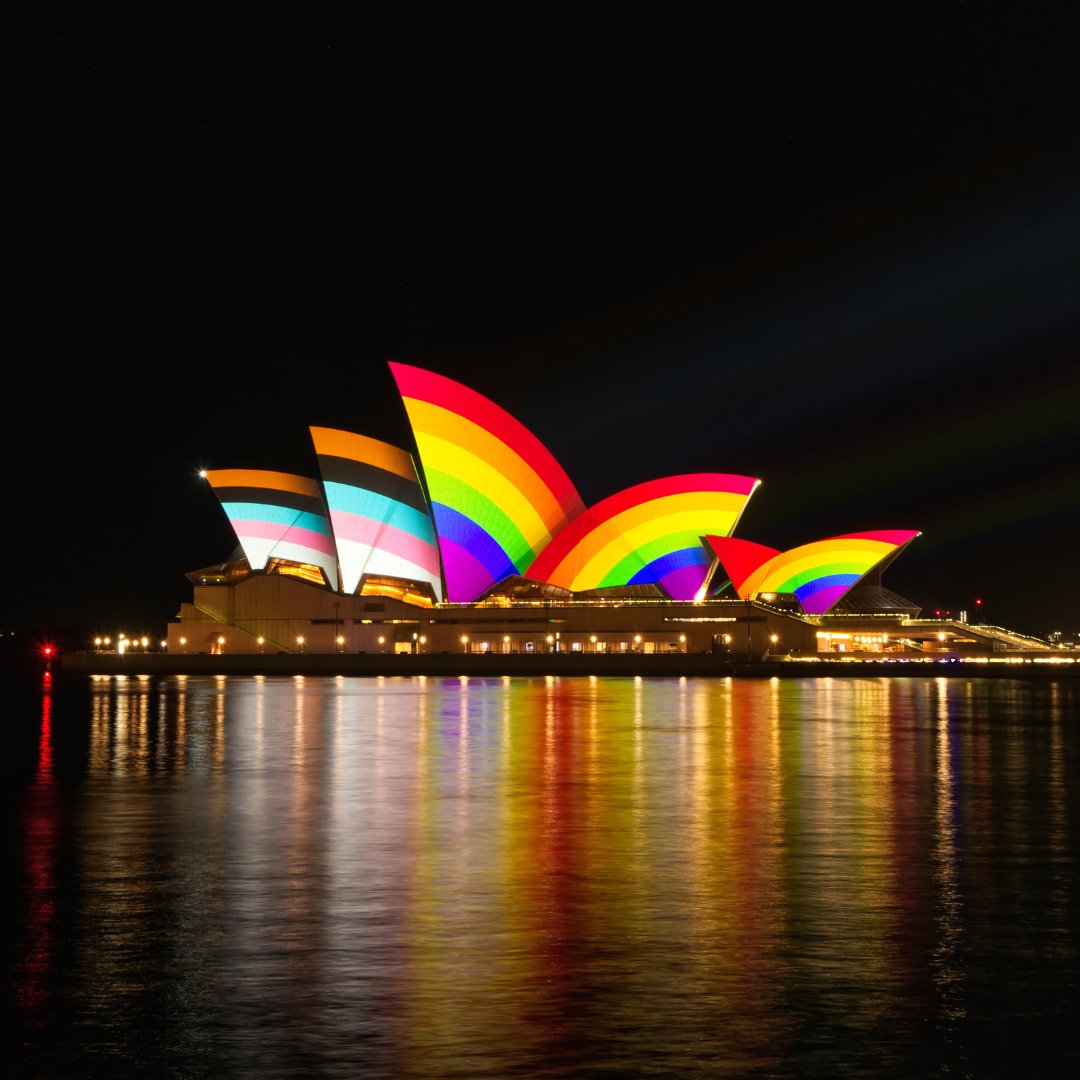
(843, 257)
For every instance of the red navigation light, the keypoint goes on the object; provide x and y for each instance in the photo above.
(46, 650)
(937, 613)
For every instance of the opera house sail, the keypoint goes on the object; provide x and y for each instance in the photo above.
(497, 493)
(648, 534)
(818, 574)
(278, 516)
(377, 509)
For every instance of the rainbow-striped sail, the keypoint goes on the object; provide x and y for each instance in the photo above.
(647, 534)
(818, 574)
(497, 494)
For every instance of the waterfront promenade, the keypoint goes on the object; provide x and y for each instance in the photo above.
(448, 665)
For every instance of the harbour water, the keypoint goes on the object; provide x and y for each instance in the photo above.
(551, 876)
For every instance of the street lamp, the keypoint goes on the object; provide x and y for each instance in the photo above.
(682, 643)
(382, 642)
(340, 642)
(300, 642)
(262, 642)
(592, 639)
(464, 642)
(637, 643)
(550, 641)
(221, 643)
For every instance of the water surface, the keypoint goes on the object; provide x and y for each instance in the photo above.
(410, 877)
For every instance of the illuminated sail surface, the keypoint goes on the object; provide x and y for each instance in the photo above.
(497, 494)
(277, 515)
(818, 574)
(647, 534)
(377, 509)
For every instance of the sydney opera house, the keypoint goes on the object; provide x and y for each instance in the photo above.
(475, 540)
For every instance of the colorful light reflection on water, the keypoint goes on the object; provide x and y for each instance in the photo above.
(425, 877)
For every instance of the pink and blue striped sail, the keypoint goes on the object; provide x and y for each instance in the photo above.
(646, 534)
(498, 495)
(818, 574)
(377, 509)
(277, 515)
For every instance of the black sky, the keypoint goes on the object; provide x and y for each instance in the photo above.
(839, 254)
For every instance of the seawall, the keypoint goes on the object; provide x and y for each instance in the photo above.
(449, 665)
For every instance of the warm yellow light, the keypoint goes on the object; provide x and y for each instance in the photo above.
(221, 640)
(593, 639)
(774, 638)
(145, 642)
(506, 638)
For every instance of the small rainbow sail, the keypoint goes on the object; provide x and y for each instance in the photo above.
(818, 574)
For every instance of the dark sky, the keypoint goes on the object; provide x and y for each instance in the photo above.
(839, 255)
